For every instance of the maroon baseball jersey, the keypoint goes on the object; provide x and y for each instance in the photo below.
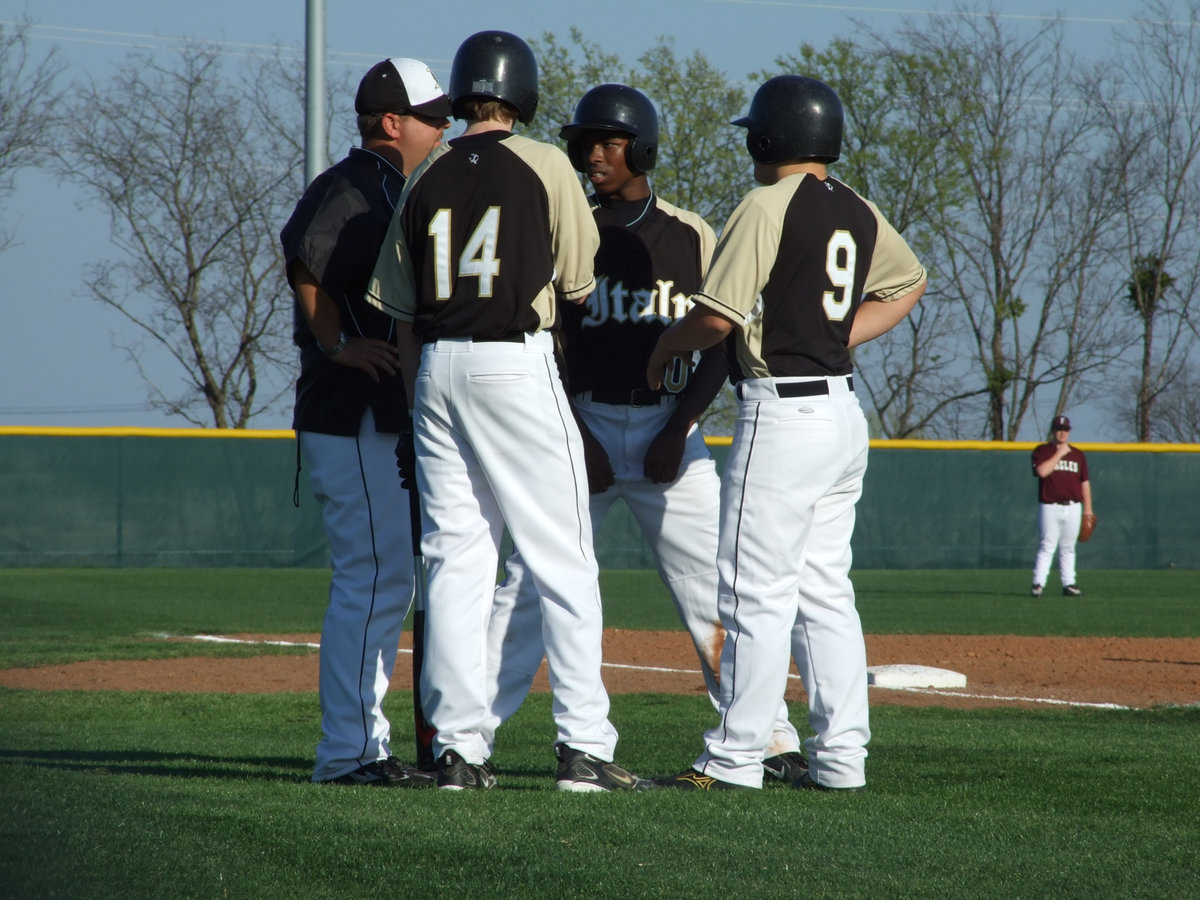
(1065, 483)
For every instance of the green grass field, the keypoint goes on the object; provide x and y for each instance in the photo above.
(203, 795)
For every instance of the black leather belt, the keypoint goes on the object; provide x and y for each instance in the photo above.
(636, 397)
(516, 337)
(1062, 502)
(802, 388)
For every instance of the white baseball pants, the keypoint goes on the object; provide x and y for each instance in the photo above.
(794, 474)
(679, 522)
(497, 444)
(1058, 527)
(365, 513)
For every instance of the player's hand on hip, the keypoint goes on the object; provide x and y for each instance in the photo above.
(656, 368)
(375, 357)
(664, 454)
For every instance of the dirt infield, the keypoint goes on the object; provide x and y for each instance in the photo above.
(1000, 670)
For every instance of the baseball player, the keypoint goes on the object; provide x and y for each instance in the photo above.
(805, 269)
(349, 410)
(494, 232)
(1064, 500)
(641, 446)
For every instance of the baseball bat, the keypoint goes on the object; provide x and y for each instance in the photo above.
(423, 732)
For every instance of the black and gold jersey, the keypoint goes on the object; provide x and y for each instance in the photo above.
(492, 229)
(792, 266)
(651, 261)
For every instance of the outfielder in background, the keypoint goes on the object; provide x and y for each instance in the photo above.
(492, 233)
(350, 408)
(1064, 506)
(641, 446)
(805, 269)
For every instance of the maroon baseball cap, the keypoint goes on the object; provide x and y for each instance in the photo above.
(1060, 423)
(401, 85)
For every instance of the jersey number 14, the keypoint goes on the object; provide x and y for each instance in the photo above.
(478, 258)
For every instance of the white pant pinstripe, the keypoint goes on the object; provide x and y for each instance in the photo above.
(497, 445)
(793, 477)
(365, 512)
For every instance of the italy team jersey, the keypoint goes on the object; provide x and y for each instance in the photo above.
(652, 259)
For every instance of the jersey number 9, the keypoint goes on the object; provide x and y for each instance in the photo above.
(840, 255)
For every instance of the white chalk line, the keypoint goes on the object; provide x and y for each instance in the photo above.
(936, 692)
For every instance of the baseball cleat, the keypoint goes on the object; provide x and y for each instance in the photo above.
(581, 772)
(785, 767)
(1035, 591)
(390, 772)
(691, 780)
(1072, 590)
(456, 774)
(807, 783)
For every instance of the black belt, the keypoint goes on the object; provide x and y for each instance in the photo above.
(802, 388)
(1062, 502)
(515, 337)
(636, 397)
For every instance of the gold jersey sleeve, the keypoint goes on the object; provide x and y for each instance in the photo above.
(392, 287)
(708, 238)
(895, 269)
(574, 236)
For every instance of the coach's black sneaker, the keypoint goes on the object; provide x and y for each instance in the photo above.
(786, 767)
(691, 780)
(456, 774)
(808, 783)
(1035, 591)
(390, 772)
(581, 772)
(1072, 590)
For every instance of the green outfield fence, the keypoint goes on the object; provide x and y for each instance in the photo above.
(187, 497)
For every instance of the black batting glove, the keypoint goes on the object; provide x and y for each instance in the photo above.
(406, 460)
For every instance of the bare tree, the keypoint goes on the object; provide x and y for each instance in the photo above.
(1024, 143)
(897, 155)
(29, 93)
(1150, 108)
(190, 163)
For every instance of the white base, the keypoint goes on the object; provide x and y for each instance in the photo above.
(903, 675)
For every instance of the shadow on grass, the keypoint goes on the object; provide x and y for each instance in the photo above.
(157, 763)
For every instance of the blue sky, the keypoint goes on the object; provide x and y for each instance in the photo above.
(59, 366)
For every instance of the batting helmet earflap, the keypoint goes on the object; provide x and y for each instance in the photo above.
(793, 117)
(618, 108)
(495, 65)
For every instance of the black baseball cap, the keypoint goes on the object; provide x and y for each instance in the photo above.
(1060, 423)
(401, 85)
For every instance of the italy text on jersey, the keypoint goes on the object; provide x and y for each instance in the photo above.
(613, 302)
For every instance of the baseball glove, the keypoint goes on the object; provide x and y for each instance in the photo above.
(1087, 526)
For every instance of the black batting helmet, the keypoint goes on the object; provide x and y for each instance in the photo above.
(618, 108)
(794, 117)
(495, 65)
